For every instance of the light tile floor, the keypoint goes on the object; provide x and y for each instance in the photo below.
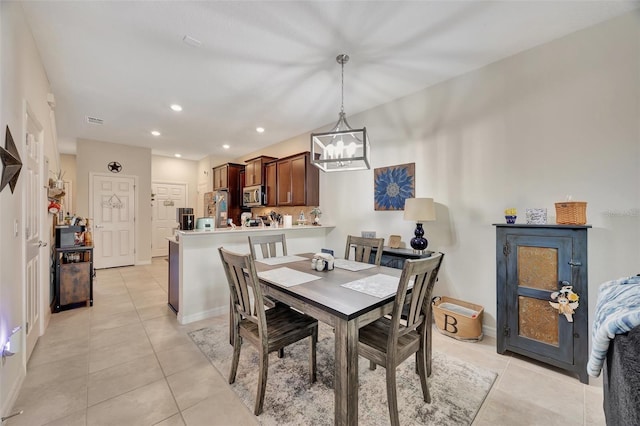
(127, 361)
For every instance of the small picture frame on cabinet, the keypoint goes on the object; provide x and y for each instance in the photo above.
(394, 241)
(536, 216)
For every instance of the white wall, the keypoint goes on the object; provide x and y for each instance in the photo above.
(68, 166)
(94, 156)
(22, 78)
(560, 119)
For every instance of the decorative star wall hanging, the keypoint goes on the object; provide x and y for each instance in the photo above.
(114, 167)
(11, 163)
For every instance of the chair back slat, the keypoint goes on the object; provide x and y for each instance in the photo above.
(424, 273)
(363, 248)
(246, 294)
(268, 245)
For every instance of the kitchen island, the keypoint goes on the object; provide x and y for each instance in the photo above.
(202, 290)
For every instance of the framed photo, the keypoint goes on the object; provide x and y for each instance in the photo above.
(392, 185)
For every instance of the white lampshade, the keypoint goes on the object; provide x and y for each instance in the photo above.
(419, 209)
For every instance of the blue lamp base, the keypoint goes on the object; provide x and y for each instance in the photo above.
(419, 243)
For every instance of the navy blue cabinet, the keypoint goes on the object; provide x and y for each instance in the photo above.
(533, 263)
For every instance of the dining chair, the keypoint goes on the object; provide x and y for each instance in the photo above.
(363, 248)
(268, 245)
(268, 330)
(390, 341)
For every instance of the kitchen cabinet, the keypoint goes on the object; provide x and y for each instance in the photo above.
(533, 263)
(271, 183)
(255, 170)
(73, 277)
(226, 177)
(298, 181)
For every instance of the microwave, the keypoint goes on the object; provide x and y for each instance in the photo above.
(253, 196)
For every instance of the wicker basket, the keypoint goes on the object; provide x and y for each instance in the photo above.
(571, 213)
(457, 318)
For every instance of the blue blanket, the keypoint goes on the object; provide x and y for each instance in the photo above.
(617, 312)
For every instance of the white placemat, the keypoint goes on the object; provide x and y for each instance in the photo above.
(279, 260)
(286, 277)
(379, 285)
(351, 265)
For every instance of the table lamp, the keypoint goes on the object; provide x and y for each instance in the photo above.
(419, 210)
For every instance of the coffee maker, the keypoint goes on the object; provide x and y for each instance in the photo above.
(185, 218)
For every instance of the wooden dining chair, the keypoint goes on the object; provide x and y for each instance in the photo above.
(268, 330)
(268, 245)
(390, 341)
(363, 248)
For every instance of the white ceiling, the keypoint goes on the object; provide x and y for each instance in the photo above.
(267, 63)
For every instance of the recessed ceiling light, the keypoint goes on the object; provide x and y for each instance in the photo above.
(177, 155)
(226, 146)
(260, 129)
(155, 133)
(176, 107)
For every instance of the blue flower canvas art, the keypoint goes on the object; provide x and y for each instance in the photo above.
(393, 185)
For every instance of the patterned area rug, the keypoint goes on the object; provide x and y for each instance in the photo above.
(457, 389)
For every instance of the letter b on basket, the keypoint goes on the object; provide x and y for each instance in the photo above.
(450, 324)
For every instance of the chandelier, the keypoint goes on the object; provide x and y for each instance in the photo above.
(342, 148)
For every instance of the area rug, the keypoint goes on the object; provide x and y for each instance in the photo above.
(457, 388)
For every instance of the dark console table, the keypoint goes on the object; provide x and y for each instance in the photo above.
(395, 257)
(73, 277)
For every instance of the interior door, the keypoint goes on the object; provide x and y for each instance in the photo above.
(167, 198)
(113, 210)
(34, 241)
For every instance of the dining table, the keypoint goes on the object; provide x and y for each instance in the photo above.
(347, 298)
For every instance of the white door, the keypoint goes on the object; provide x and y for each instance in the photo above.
(113, 208)
(167, 198)
(34, 206)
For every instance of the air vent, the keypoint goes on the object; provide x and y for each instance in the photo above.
(94, 120)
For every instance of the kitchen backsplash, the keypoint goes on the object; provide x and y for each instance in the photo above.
(293, 211)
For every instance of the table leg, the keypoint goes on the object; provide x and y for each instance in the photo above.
(346, 374)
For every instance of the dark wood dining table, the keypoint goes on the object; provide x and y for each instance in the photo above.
(344, 309)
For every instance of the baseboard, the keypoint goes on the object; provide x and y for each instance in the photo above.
(489, 331)
(202, 315)
(13, 395)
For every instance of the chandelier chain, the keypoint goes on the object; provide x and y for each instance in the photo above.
(342, 94)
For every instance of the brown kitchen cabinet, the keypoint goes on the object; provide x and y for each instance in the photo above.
(298, 181)
(226, 177)
(255, 170)
(271, 183)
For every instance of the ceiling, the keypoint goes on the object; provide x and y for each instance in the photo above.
(267, 63)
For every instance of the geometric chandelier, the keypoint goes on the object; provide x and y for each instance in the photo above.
(342, 148)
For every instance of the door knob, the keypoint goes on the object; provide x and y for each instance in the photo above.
(99, 226)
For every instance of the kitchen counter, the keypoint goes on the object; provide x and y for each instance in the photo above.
(202, 284)
(249, 230)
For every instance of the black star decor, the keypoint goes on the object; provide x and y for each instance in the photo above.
(11, 163)
(114, 167)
